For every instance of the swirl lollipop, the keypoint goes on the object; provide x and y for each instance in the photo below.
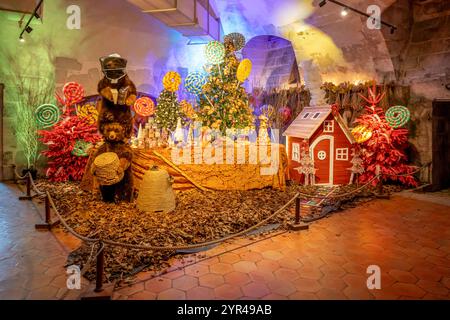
(73, 93)
(194, 82)
(243, 70)
(171, 81)
(397, 116)
(215, 52)
(237, 39)
(47, 115)
(144, 107)
(81, 148)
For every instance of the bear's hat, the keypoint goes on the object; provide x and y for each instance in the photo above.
(113, 60)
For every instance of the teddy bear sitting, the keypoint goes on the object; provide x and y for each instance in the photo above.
(115, 141)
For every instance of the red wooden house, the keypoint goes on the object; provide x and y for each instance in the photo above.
(329, 141)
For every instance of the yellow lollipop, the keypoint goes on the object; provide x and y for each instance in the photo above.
(243, 70)
(361, 133)
(171, 81)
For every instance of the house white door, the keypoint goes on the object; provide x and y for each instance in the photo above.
(322, 149)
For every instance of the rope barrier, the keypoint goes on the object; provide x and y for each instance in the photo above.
(155, 248)
(100, 252)
(407, 174)
(306, 195)
(73, 232)
(38, 192)
(191, 246)
(19, 176)
(203, 244)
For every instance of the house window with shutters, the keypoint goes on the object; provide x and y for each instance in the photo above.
(328, 126)
(342, 154)
(295, 152)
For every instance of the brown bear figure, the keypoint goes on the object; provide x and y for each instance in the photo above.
(115, 123)
(118, 94)
(115, 141)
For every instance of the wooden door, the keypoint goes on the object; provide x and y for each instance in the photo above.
(441, 145)
(323, 158)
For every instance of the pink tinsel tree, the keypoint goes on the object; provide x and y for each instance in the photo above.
(385, 150)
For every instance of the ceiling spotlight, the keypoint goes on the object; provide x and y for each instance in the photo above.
(322, 3)
(344, 12)
(21, 39)
(28, 29)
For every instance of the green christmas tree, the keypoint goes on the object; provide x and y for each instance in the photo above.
(224, 102)
(168, 110)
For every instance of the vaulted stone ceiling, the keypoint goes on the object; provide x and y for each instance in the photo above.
(344, 49)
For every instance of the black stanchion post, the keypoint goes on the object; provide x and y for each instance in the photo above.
(99, 270)
(47, 209)
(48, 224)
(98, 291)
(28, 195)
(298, 225)
(380, 193)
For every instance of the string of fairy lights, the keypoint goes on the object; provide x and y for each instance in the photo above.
(27, 27)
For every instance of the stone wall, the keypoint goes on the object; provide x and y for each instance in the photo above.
(52, 51)
(420, 51)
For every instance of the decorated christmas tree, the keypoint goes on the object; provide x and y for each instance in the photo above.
(168, 110)
(224, 102)
(384, 150)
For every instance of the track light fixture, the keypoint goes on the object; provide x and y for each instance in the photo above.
(27, 27)
(345, 10)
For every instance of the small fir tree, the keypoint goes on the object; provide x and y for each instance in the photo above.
(168, 111)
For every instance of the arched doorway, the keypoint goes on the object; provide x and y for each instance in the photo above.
(274, 62)
(275, 80)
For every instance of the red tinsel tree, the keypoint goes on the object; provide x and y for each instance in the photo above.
(384, 152)
(60, 140)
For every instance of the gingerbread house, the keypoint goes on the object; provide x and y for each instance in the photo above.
(329, 142)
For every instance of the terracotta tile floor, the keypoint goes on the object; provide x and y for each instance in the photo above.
(408, 237)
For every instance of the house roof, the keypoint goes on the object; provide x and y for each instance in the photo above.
(307, 122)
(310, 119)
